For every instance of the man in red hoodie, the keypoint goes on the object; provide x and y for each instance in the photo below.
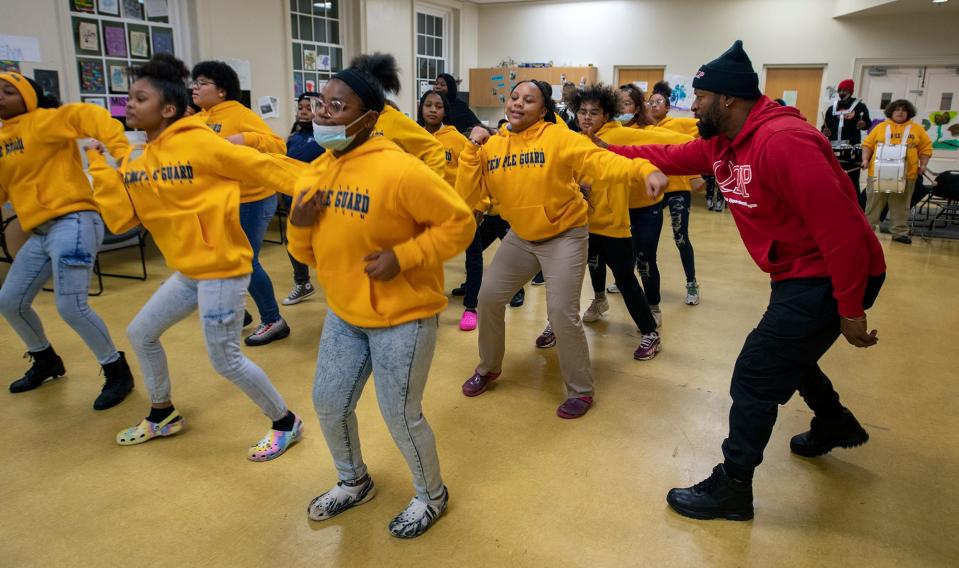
(799, 218)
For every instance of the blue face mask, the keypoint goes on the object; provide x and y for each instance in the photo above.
(624, 118)
(334, 137)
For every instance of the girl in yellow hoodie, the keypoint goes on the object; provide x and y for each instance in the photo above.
(393, 124)
(185, 189)
(42, 175)
(531, 170)
(216, 89)
(377, 224)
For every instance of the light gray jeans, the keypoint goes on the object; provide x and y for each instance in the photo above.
(221, 303)
(399, 358)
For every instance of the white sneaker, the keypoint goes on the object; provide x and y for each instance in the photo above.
(339, 499)
(418, 517)
(596, 309)
(299, 293)
(612, 289)
(657, 315)
(692, 293)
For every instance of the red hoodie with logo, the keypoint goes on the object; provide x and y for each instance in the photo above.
(795, 207)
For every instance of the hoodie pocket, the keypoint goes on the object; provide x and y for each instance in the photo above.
(533, 224)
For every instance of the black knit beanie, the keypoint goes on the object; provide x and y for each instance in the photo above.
(731, 74)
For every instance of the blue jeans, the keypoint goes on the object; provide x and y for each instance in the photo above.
(399, 358)
(66, 248)
(255, 217)
(679, 203)
(647, 225)
(221, 304)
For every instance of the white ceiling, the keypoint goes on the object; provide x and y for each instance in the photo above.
(891, 7)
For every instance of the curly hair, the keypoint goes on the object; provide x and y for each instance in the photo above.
(168, 75)
(900, 104)
(222, 75)
(380, 66)
(602, 95)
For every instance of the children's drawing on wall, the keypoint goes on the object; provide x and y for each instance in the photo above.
(682, 96)
(943, 129)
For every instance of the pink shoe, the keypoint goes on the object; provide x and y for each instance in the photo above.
(477, 384)
(468, 321)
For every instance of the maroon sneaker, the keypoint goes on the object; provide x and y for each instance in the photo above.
(574, 407)
(477, 384)
(546, 339)
(649, 346)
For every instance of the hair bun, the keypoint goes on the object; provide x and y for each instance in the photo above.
(663, 88)
(164, 67)
(380, 66)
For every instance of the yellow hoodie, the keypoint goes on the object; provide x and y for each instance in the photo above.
(533, 175)
(185, 190)
(453, 142)
(683, 125)
(40, 167)
(411, 138)
(378, 198)
(231, 117)
(919, 143)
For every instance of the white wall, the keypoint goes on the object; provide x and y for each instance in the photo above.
(684, 34)
(41, 19)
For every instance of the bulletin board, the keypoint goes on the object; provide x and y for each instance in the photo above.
(490, 87)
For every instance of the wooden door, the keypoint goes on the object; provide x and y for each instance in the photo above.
(800, 84)
(648, 75)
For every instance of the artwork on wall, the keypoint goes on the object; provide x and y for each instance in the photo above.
(86, 36)
(91, 76)
(139, 42)
(162, 40)
(99, 101)
(49, 81)
(109, 7)
(114, 40)
(309, 60)
(118, 106)
(682, 97)
(119, 77)
(9, 65)
(132, 9)
(943, 129)
(87, 6)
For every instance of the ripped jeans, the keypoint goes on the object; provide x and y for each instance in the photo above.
(221, 303)
(678, 203)
(65, 248)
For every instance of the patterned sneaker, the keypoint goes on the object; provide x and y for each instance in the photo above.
(657, 315)
(339, 499)
(546, 339)
(299, 293)
(418, 517)
(276, 442)
(692, 293)
(574, 407)
(267, 333)
(477, 384)
(649, 346)
(612, 289)
(468, 321)
(595, 311)
(146, 430)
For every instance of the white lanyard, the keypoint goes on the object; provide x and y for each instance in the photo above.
(842, 115)
(905, 135)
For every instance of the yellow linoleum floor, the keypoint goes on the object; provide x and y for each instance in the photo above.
(527, 489)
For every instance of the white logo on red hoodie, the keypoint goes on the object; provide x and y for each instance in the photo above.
(733, 178)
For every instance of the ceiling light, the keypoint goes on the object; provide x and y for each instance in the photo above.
(939, 1)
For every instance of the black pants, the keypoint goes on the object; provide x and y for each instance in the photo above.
(780, 357)
(618, 255)
(646, 225)
(301, 272)
(493, 227)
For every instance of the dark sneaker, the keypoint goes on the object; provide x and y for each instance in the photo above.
(904, 239)
(546, 339)
(692, 293)
(459, 290)
(519, 299)
(299, 293)
(717, 497)
(539, 279)
(46, 365)
(649, 346)
(574, 407)
(339, 499)
(824, 435)
(117, 384)
(268, 332)
(477, 384)
(418, 516)
(247, 319)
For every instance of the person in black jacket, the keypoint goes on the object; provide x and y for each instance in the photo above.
(844, 120)
(459, 113)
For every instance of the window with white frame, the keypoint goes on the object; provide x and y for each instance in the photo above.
(432, 46)
(317, 47)
(110, 37)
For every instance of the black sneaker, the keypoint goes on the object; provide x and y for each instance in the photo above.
(247, 318)
(904, 239)
(118, 384)
(46, 365)
(539, 279)
(824, 435)
(518, 299)
(299, 293)
(459, 290)
(717, 497)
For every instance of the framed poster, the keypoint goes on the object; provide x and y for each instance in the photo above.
(91, 76)
(86, 36)
(139, 41)
(297, 84)
(83, 6)
(49, 81)
(114, 39)
(162, 40)
(118, 106)
(309, 60)
(109, 7)
(99, 101)
(132, 9)
(9, 65)
(119, 76)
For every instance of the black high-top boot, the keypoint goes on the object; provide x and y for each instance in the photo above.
(118, 383)
(46, 365)
(826, 434)
(719, 496)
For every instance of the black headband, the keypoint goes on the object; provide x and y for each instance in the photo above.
(372, 99)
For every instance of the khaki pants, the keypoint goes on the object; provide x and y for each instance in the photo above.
(563, 262)
(898, 204)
